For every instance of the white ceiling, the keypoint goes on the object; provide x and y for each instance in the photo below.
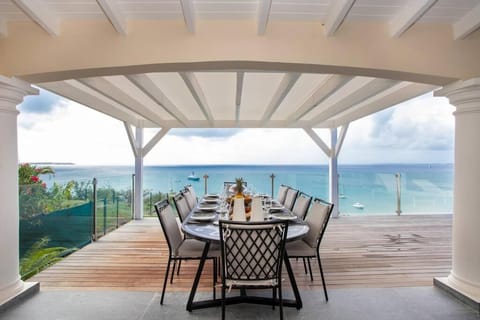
(241, 98)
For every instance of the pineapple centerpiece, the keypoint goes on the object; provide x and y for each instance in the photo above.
(239, 187)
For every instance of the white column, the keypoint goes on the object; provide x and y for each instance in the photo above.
(465, 274)
(333, 172)
(138, 205)
(12, 92)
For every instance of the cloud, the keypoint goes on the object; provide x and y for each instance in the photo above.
(205, 133)
(45, 102)
(425, 123)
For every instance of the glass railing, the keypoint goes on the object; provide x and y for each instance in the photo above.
(113, 203)
(378, 189)
(61, 218)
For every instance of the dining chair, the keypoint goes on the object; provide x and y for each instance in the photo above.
(193, 194)
(252, 257)
(282, 193)
(180, 248)
(190, 196)
(301, 205)
(309, 247)
(290, 198)
(181, 205)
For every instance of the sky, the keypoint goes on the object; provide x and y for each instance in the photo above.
(54, 129)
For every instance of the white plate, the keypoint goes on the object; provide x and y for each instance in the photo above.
(203, 216)
(211, 201)
(283, 216)
(211, 196)
(207, 207)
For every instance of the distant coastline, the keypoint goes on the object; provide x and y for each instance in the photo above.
(52, 163)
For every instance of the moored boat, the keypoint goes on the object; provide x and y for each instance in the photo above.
(193, 177)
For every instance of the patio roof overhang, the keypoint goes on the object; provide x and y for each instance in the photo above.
(246, 64)
(278, 64)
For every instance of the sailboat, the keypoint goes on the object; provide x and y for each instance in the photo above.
(358, 205)
(193, 177)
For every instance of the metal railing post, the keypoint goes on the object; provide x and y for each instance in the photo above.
(105, 216)
(272, 176)
(94, 218)
(398, 178)
(150, 204)
(132, 196)
(205, 177)
(117, 210)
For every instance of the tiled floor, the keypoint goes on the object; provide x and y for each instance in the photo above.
(427, 303)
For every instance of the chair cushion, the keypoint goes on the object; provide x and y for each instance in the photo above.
(192, 248)
(300, 248)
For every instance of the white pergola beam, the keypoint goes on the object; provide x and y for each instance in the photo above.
(393, 96)
(155, 139)
(264, 7)
(38, 12)
(288, 81)
(106, 88)
(131, 138)
(77, 92)
(112, 12)
(197, 93)
(188, 14)
(336, 14)
(3, 28)
(341, 138)
(144, 83)
(328, 87)
(370, 88)
(468, 24)
(318, 141)
(238, 94)
(409, 15)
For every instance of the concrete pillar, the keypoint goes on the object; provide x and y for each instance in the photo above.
(464, 277)
(138, 205)
(12, 92)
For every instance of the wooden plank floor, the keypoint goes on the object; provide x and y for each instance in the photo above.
(369, 251)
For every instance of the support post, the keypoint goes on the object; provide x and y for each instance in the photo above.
(138, 205)
(332, 153)
(12, 92)
(333, 173)
(140, 151)
(464, 278)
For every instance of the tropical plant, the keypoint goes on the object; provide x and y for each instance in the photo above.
(29, 174)
(39, 257)
(32, 191)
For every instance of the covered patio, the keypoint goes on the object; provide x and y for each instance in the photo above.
(245, 64)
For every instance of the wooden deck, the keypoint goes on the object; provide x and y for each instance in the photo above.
(369, 251)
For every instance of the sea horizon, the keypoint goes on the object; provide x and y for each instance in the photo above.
(424, 187)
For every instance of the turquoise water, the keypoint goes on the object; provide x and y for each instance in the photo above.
(425, 188)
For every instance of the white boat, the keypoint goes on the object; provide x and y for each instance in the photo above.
(358, 205)
(193, 177)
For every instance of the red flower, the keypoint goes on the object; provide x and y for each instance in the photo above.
(34, 179)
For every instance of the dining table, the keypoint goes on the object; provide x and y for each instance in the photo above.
(202, 224)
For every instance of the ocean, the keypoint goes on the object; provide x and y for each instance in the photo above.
(424, 188)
